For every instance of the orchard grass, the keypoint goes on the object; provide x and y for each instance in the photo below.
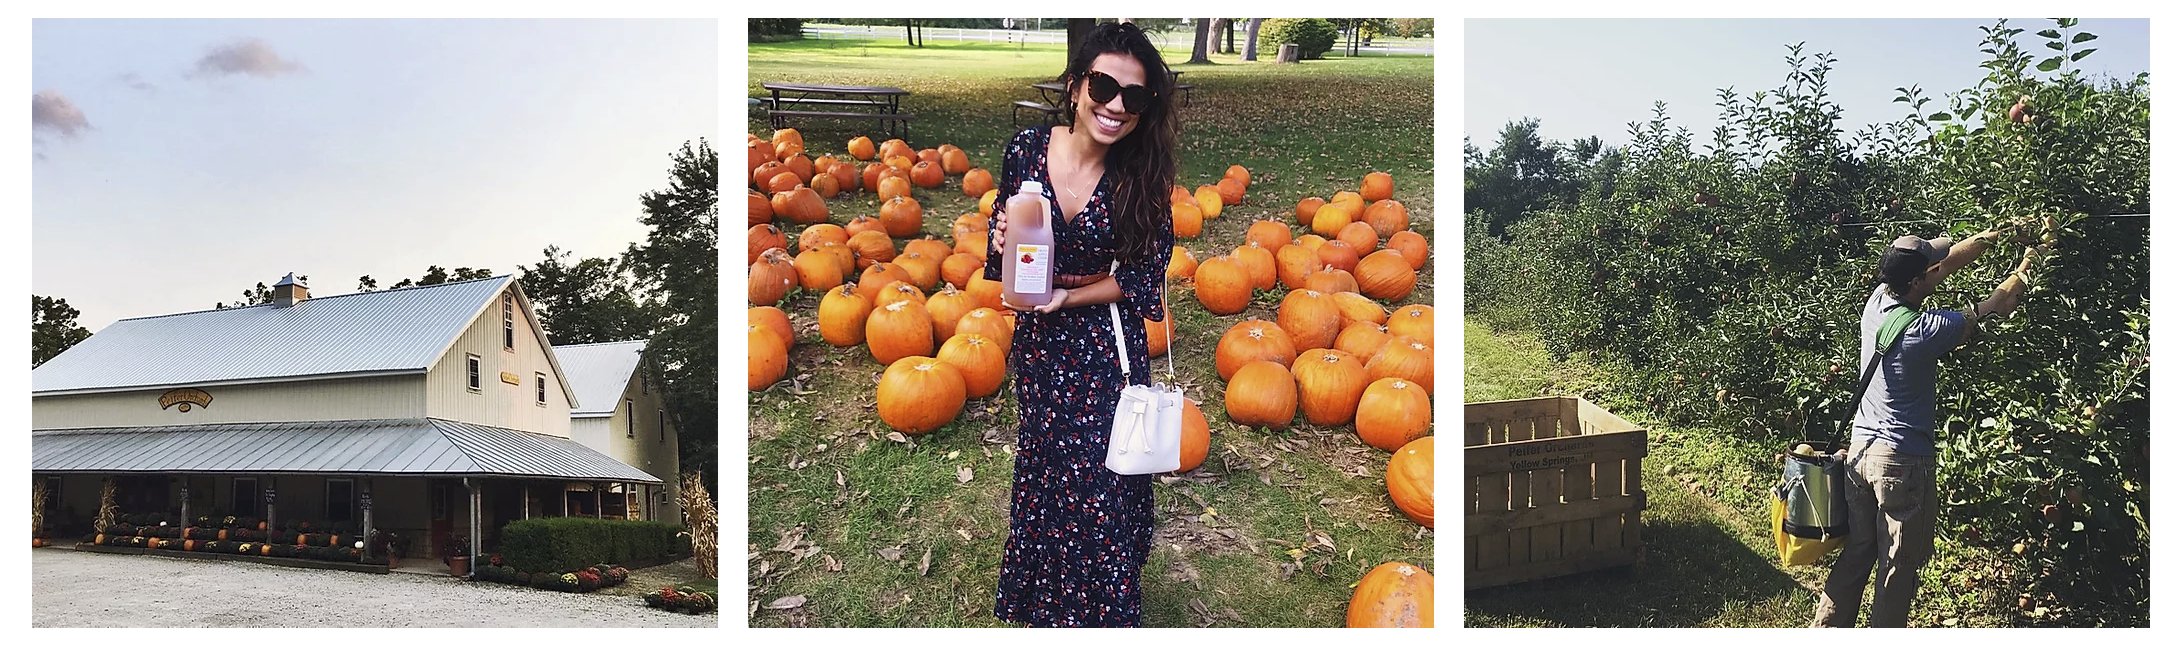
(1710, 560)
(843, 516)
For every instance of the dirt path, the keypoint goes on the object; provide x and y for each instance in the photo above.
(81, 589)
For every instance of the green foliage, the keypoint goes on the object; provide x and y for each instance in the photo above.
(775, 29)
(589, 301)
(567, 544)
(1743, 313)
(53, 328)
(1414, 27)
(1314, 35)
(677, 265)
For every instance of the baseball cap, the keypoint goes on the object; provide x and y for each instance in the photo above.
(1910, 256)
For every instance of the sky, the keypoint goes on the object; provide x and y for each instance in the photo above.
(1592, 77)
(177, 163)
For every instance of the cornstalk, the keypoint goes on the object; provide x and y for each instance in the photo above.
(108, 514)
(37, 505)
(702, 521)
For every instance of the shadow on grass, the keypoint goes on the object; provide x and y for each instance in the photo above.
(1696, 574)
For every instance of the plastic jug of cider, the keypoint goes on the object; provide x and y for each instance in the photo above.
(1029, 250)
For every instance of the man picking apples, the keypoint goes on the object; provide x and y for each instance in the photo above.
(1891, 468)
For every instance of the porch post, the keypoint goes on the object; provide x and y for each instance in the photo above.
(476, 524)
(525, 500)
(597, 490)
(272, 520)
(185, 501)
(370, 543)
(563, 498)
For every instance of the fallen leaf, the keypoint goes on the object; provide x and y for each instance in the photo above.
(787, 603)
(966, 474)
(923, 569)
(832, 564)
(891, 553)
(896, 437)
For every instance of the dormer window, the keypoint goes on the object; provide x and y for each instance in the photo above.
(540, 389)
(506, 317)
(476, 374)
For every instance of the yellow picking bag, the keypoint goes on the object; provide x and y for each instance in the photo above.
(1794, 550)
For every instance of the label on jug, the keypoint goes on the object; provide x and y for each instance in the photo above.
(1032, 269)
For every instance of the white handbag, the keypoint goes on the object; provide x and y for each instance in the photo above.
(1146, 426)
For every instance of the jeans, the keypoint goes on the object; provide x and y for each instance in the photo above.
(1890, 502)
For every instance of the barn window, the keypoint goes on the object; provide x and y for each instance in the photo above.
(506, 318)
(540, 389)
(629, 405)
(476, 374)
(661, 426)
(339, 500)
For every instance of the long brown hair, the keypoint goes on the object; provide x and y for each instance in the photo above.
(1143, 163)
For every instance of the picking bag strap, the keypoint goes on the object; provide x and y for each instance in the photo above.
(1895, 319)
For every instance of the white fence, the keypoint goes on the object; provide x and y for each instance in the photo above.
(1175, 38)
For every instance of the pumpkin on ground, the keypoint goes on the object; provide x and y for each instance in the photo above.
(1416, 321)
(759, 208)
(988, 203)
(861, 148)
(987, 323)
(1223, 286)
(922, 270)
(1194, 437)
(1385, 275)
(774, 319)
(1305, 212)
(946, 307)
(901, 329)
(927, 174)
(1376, 186)
(843, 255)
(1329, 219)
(1311, 241)
(765, 174)
(902, 217)
(891, 187)
(959, 268)
(1238, 172)
(894, 148)
(1231, 191)
(953, 162)
(982, 364)
(1410, 479)
(782, 180)
(1362, 339)
(1311, 318)
(989, 293)
(1160, 334)
(976, 244)
(1186, 221)
(1394, 595)
(919, 394)
(1206, 197)
(1261, 394)
(1271, 234)
(819, 233)
(1249, 341)
(825, 185)
(1331, 385)
(873, 174)
(1412, 246)
(1406, 359)
(898, 291)
(764, 237)
(932, 155)
(843, 315)
(1386, 216)
(1355, 307)
(1181, 266)
(1295, 264)
(976, 183)
(800, 165)
(1338, 254)
(801, 206)
(1351, 202)
(1332, 281)
(862, 223)
(871, 247)
(770, 277)
(760, 153)
(767, 358)
(787, 141)
(880, 276)
(1261, 264)
(934, 248)
(1393, 412)
(1360, 235)
(845, 175)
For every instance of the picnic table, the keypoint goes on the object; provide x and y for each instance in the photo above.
(882, 103)
(1052, 94)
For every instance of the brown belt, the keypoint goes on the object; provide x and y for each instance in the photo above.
(1072, 281)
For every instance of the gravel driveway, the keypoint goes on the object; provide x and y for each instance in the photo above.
(82, 589)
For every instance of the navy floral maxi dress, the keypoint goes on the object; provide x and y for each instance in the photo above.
(1080, 534)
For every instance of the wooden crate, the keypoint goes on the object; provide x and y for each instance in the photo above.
(1553, 488)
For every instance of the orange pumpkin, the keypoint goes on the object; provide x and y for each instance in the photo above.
(787, 141)
(1355, 308)
(919, 394)
(765, 237)
(759, 208)
(1261, 394)
(1271, 234)
(1330, 219)
(844, 173)
(1363, 340)
(1311, 318)
(900, 291)
(976, 182)
(1410, 479)
(1181, 196)
(800, 166)
(765, 174)
(863, 223)
(823, 232)
(871, 247)
(1305, 212)
(818, 270)
(760, 153)
(862, 148)
(932, 155)
(880, 276)
(801, 206)
(1331, 384)
(1360, 235)
(959, 268)
(987, 323)
(989, 293)
(976, 244)
(1310, 241)
(1394, 595)
(767, 358)
(1332, 280)
(1261, 265)
(774, 319)
(891, 187)
(1295, 263)
(844, 254)
(1249, 341)
(894, 148)
(1231, 191)
(1350, 201)
(1385, 275)
(1393, 412)
(1417, 321)
(988, 203)
(825, 185)
(1376, 186)
(946, 307)
(901, 329)
(1338, 254)
(1411, 245)
(1194, 437)
(843, 315)
(1386, 216)
(873, 174)
(927, 174)
(1238, 172)
(1206, 197)
(1186, 221)
(970, 223)
(1182, 266)
(1406, 359)
(770, 277)
(902, 216)
(981, 362)
(953, 162)
(782, 181)
(928, 246)
(1223, 286)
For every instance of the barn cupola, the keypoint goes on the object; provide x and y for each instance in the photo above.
(289, 291)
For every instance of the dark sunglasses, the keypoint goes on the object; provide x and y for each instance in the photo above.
(1102, 88)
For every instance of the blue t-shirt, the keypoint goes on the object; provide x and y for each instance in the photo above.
(1900, 407)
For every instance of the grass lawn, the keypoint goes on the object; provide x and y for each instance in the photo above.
(1710, 560)
(1272, 530)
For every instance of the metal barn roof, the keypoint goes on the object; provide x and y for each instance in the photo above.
(599, 373)
(407, 447)
(387, 332)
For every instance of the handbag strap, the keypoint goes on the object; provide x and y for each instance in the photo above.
(1121, 341)
(1895, 319)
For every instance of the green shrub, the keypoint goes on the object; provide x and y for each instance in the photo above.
(1314, 35)
(569, 544)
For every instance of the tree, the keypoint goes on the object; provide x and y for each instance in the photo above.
(259, 295)
(589, 301)
(433, 275)
(1218, 27)
(676, 266)
(1228, 36)
(53, 328)
(1523, 174)
(1077, 29)
(1202, 42)
(1255, 26)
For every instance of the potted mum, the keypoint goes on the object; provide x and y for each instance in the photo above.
(457, 555)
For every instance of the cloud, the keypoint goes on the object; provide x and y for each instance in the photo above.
(246, 56)
(135, 82)
(53, 111)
